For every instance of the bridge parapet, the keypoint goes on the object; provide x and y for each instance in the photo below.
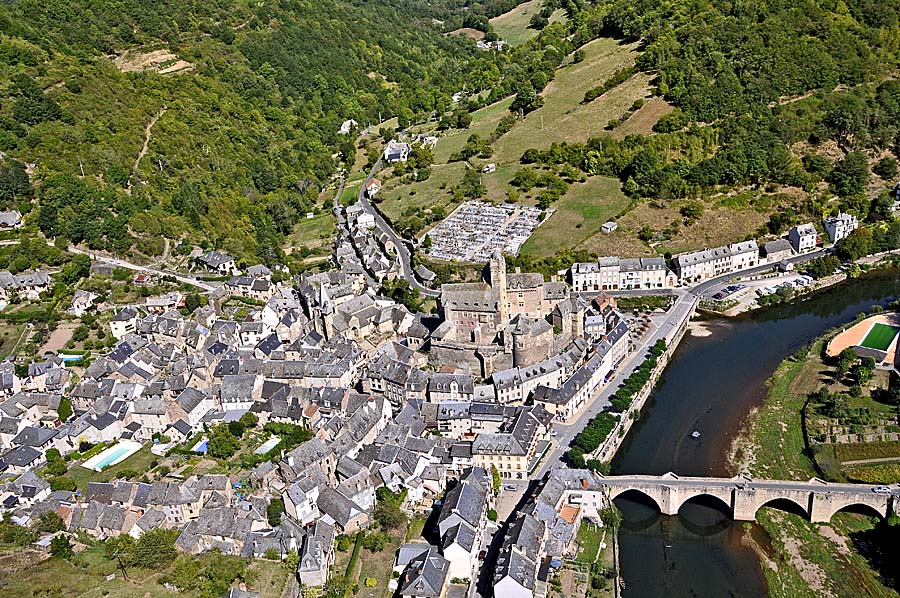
(818, 500)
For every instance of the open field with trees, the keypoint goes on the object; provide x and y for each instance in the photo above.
(513, 26)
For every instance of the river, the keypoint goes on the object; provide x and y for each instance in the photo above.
(711, 384)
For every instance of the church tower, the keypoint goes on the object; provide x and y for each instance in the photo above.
(497, 280)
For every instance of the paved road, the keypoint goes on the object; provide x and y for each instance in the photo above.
(128, 265)
(402, 250)
(700, 288)
(567, 432)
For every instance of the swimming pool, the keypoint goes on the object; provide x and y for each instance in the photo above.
(112, 455)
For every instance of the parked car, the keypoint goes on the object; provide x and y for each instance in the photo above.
(482, 554)
(511, 487)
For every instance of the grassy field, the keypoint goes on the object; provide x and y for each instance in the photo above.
(139, 463)
(484, 121)
(776, 434)
(84, 576)
(313, 232)
(643, 120)
(395, 197)
(378, 566)
(812, 560)
(880, 336)
(563, 117)
(512, 26)
(589, 538)
(9, 336)
(578, 217)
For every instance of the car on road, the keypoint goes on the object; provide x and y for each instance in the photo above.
(554, 433)
(881, 490)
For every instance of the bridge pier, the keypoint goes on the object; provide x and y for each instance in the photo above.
(669, 500)
(744, 504)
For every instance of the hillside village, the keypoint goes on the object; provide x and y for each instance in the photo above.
(349, 398)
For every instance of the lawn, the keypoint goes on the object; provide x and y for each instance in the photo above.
(512, 26)
(880, 336)
(313, 232)
(378, 566)
(140, 463)
(350, 193)
(579, 215)
(589, 538)
(9, 336)
(85, 577)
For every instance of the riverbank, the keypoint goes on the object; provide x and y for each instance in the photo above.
(800, 558)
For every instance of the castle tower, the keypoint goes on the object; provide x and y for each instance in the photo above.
(497, 280)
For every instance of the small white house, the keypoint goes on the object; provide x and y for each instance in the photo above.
(840, 226)
(347, 126)
(372, 187)
(488, 168)
(608, 227)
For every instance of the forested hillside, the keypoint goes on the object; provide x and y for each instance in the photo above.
(784, 92)
(244, 106)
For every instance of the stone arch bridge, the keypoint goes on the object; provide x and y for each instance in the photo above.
(819, 500)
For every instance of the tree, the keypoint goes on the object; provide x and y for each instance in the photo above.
(156, 548)
(375, 541)
(274, 511)
(77, 268)
(222, 443)
(851, 175)
(60, 547)
(389, 515)
(854, 246)
(63, 483)
(49, 522)
(236, 428)
(692, 210)
(192, 302)
(495, 478)
(886, 168)
(611, 518)
(57, 467)
(249, 420)
(64, 411)
(845, 360)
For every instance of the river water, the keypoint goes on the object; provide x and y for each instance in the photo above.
(711, 385)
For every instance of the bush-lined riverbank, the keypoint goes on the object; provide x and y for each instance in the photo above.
(802, 558)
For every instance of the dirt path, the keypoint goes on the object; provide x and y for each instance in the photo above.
(143, 152)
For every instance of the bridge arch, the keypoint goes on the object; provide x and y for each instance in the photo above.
(721, 499)
(784, 503)
(872, 506)
(623, 492)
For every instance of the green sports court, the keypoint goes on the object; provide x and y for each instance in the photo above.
(880, 336)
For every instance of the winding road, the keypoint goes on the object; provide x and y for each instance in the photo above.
(403, 253)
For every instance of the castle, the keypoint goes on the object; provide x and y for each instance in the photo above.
(507, 320)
